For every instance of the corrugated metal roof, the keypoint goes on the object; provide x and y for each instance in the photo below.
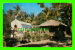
(21, 22)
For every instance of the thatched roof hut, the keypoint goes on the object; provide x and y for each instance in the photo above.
(52, 23)
(55, 27)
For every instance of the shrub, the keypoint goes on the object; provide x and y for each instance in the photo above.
(38, 38)
(28, 37)
(46, 36)
(33, 38)
(11, 41)
(4, 43)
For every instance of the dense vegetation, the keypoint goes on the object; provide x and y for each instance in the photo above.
(59, 11)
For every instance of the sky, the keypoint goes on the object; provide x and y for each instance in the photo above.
(26, 7)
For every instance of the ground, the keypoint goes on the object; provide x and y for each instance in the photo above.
(44, 43)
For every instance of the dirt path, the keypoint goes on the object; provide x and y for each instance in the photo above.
(43, 43)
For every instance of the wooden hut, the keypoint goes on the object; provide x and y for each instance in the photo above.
(54, 26)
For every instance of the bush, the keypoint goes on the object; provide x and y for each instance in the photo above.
(11, 42)
(4, 43)
(38, 38)
(46, 36)
(33, 38)
(28, 37)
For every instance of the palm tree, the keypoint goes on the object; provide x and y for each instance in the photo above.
(17, 8)
(32, 16)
